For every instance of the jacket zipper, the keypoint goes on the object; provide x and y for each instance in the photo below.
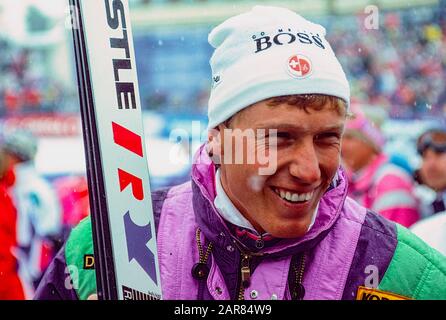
(245, 275)
(298, 291)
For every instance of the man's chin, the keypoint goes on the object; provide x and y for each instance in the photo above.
(290, 231)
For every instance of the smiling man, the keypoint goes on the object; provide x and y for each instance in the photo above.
(266, 213)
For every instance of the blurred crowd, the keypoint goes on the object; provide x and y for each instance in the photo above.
(25, 87)
(401, 65)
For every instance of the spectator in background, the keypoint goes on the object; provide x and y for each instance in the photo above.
(373, 181)
(431, 146)
(400, 65)
(38, 209)
(10, 285)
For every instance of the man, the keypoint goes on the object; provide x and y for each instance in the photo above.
(39, 217)
(431, 146)
(374, 181)
(265, 215)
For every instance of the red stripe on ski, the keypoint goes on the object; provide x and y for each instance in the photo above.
(127, 139)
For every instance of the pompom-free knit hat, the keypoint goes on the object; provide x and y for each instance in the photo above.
(22, 143)
(269, 52)
(365, 129)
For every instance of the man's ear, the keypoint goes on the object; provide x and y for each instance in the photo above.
(214, 146)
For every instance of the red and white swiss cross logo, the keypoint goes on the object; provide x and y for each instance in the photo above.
(299, 66)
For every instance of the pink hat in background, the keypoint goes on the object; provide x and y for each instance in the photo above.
(365, 129)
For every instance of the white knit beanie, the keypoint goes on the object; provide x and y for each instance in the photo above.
(270, 52)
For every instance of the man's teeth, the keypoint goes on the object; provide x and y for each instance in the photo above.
(294, 197)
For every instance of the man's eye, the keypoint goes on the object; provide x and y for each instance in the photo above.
(283, 135)
(328, 136)
(277, 138)
(278, 135)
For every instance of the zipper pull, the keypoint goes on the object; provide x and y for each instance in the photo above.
(246, 270)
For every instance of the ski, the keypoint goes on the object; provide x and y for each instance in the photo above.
(125, 252)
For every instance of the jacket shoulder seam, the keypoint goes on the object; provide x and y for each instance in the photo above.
(363, 224)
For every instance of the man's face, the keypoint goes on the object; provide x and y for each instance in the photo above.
(356, 153)
(433, 169)
(308, 155)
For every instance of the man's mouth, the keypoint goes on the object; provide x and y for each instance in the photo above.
(293, 197)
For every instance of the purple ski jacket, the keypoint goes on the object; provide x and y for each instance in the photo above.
(345, 243)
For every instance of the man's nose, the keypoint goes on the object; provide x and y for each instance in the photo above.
(430, 159)
(305, 163)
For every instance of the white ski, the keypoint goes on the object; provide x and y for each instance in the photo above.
(125, 251)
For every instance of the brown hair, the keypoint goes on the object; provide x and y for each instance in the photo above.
(305, 101)
(310, 101)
